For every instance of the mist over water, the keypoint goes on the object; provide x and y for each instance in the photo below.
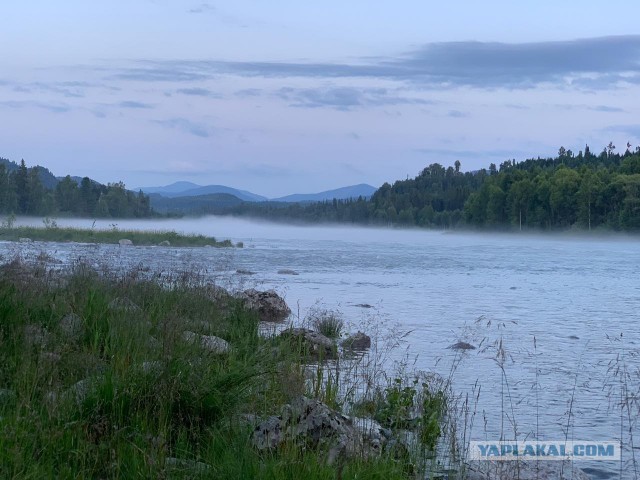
(577, 297)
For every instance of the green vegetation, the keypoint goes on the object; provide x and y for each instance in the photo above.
(35, 191)
(53, 233)
(100, 380)
(583, 191)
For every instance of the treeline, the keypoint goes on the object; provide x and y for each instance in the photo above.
(22, 192)
(584, 191)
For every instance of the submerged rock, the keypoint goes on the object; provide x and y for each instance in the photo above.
(270, 306)
(461, 346)
(211, 343)
(125, 242)
(363, 305)
(286, 271)
(242, 271)
(313, 343)
(357, 341)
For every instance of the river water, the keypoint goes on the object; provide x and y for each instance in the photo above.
(564, 308)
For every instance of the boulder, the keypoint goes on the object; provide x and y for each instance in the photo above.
(165, 243)
(286, 271)
(125, 242)
(358, 341)
(312, 423)
(192, 466)
(461, 346)
(312, 343)
(25, 240)
(270, 306)
(124, 304)
(35, 335)
(525, 470)
(242, 271)
(72, 326)
(211, 343)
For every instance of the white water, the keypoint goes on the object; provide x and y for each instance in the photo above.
(436, 285)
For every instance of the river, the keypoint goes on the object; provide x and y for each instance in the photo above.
(565, 308)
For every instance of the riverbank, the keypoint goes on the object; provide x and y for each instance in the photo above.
(111, 375)
(113, 236)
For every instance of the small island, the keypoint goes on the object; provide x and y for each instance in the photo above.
(114, 236)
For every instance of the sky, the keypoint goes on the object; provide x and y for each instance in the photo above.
(289, 96)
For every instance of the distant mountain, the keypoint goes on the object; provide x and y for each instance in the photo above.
(47, 178)
(354, 191)
(188, 189)
(194, 205)
(176, 187)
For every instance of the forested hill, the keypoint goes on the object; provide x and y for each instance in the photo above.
(35, 191)
(569, 191)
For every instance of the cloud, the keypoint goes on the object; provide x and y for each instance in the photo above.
(198, 92)
(457, 114)
(134, 105)
(50, 107)
(249, 92)
(607, 109)
(632, 130)
(344, 98)
(594, 63)
(158, 74)
(186, 126)
(202, 8)
(496, 154)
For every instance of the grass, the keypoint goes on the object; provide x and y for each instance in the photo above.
(116, 392)
(328, 322)
(137, 237)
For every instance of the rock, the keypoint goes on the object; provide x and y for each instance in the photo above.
(125, 242)
(211, 343)
(525, 470)
(286, 271)
(183, 464)
(357, 341)
(363, 305)
(50, 357)
(242, 271)
(25, 240)
(153, 368)
(77, 392)
(7, 396)
(72, 326)
(573, 337)
(270, 306)
(374, 436)
(314, 424)
(165, 243)
(313, 343)
(461, 346)
(124, 304)
(35, 335)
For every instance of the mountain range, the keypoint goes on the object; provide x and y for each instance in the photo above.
(188, 189)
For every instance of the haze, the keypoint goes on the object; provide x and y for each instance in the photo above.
(283, 97)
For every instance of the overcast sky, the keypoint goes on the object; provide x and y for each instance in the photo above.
(293, 96)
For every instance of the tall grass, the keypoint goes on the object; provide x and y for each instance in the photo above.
(121, 394)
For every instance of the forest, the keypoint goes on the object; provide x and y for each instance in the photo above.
(571, 191)
(34, 191)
